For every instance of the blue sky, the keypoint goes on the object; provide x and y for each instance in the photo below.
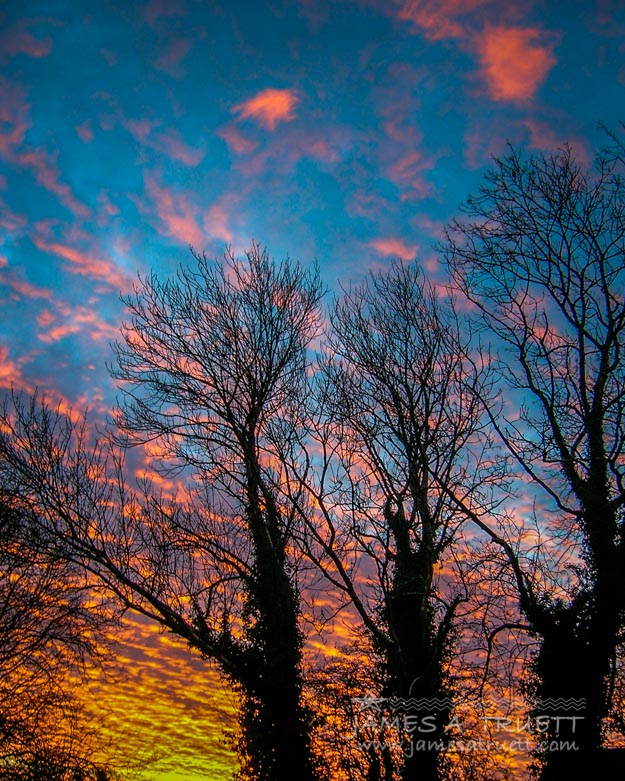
(348, 132)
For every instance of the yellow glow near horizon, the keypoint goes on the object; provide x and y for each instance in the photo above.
(162, 711)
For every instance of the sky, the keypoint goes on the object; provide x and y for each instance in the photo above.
(347, 132)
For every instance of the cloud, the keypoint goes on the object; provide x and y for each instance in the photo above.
(482, 142)
(169, 142)
(28, 290)
(18, 40)
(140, 129)
(14, 123)
(404, 159)
(163, 9)
(544, 137)
(177, 217)
(514, 61)
(390, 245)
(11, 372)
(85, 132)
(216, 222)
(439, 20)
(12, 224)
(43, 164)
(269, 107)
(73, 320)
(85, 264)
(188, 223)
(14, 117)
(171, 58)
(236, 140)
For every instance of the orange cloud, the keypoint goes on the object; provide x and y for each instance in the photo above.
(11, 372)
(269, 107)
(515, 61)
(396, 247)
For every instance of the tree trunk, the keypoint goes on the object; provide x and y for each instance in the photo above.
(414, 665)
(276, 724)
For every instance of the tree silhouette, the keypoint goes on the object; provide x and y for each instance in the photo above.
(541, 256)
(399, 414)
(213, 375)
(49, 628)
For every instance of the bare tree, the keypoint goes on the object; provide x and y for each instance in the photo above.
(213, 374)
(398, 415)
(541, 256)
(50, 629)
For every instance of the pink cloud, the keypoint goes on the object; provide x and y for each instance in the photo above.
(47, 175)
(28, 290)
(170, 59)
(368, 205)
(173, 146)
(14, 117)
(515, 61)
(175, 213)
(169, 142)
(85, 264)
(236, 140)
(45, 318)
(163, 9)
(107, 209)
(109, 56)
(216, 222)
(269, 107)
(323, 151)
(85, 132)
(544, 137)
(140, 129)
(18, 40)
(181, 220)
(396, 247)
(74, 320)
(404, 161)
(439, 20)
(481, 144)
(407, 171)
(13, 224)
(607, 19)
